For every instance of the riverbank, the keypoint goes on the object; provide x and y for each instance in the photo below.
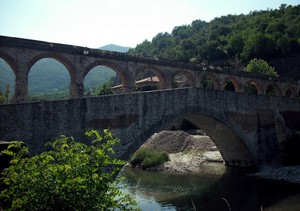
(190, 154)
(187, 153)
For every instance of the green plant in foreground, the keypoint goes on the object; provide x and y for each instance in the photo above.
(72, 176)
(147, 158)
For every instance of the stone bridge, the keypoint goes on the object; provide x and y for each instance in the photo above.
(249, 130)
(22, 54)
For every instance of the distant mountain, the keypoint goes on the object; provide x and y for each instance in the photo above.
(112, 47)
(50, 76)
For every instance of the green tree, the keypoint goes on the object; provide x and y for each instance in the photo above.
(72, 176)
(261, 67)
(105, 90)
(6, 94)
(231, 39)
(2, 98)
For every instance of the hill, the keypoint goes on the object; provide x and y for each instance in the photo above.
(272, 35)
(51, 77)
(112, 47)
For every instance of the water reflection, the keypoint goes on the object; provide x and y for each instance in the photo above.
(218, 190)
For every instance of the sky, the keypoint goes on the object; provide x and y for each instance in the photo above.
(95, 23)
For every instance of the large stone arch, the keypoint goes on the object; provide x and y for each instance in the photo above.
(188, 74)
(68, 65)
(120, 73)
(158, 73)
(233, 148)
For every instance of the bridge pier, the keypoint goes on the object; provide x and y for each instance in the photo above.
(21, 85)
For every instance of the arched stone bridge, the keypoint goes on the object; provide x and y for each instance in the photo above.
(249, 130)
(22, 54)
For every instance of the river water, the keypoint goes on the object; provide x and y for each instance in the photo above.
(217, 188)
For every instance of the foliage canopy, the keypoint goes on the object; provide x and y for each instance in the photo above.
(72, 176)
(261, 67)
(235, 39)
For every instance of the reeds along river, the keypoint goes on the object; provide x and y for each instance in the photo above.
(217, 188)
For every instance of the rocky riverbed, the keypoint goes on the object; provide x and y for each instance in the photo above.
(187, 152)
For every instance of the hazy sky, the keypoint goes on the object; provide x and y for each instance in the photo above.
(94, 23)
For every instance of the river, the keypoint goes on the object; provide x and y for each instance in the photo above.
(217, 188)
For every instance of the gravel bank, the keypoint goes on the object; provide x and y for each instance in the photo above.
(280, 173)
(187, 153)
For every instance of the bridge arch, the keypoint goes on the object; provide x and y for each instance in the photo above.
(55, 56)
(289, 91)
(235, 83)
(210, 77)
(9, 82)
(9, 60)
(159, 73)
(232, 148)
(120, 73)
(188, 75)
(64, 61)
(250, 84)
(272, 90)
(226, 137)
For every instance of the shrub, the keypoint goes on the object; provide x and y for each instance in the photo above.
(146, 158)
(72, 176)
(261, 67)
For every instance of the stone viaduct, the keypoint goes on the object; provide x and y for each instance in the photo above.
(248, 129)
(22, 54)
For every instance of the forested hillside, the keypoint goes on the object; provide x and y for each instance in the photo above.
(272, 35)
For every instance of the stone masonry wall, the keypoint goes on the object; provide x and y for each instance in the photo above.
(135, 117)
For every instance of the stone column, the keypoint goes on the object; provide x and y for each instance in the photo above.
(76, 86)
(21, 88)
(167, 83)
(130, 78)
(198, 79)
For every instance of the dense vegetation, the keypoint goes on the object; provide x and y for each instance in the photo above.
(146, 158)
(71, 176)
(231, 39)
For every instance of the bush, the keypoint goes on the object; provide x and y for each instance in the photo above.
(261, 67)
(146, 158)
(72, 176)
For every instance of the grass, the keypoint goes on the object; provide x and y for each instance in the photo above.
(147, 158)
